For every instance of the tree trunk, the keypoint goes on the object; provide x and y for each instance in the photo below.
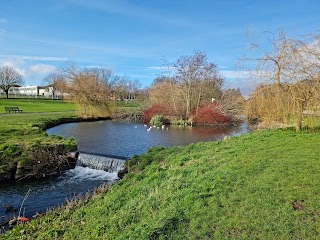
(188, 100)
(298, 123)
(7, 93)
(173, 99)
(198, 102)
(299, 115)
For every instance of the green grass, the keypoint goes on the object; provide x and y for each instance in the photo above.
(20, 132)
(37, 105)
(128, 104)
(263, 185)
(25, 129)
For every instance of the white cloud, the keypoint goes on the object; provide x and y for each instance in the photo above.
(32, 74)
(2, 20)
(11, 62)
(224, 73)
(15, 64)
(41, 69)
(155, 68)
(97, 66)
(234, 74)
(35, 58)
(161, 68)
(223, 67)
(35, 74)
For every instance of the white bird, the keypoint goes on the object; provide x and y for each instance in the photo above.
(149, 128)
(145, 125)
(162, 126)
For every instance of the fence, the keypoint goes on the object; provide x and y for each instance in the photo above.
(23, 96)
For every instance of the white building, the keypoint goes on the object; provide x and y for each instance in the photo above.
(27, 90)
(34, 91)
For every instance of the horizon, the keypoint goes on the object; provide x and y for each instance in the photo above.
(133, 38)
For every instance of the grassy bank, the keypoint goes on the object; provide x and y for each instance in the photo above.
(262, 185)
(22, 133)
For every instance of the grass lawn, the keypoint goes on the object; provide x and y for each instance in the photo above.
(20, 131)
(128, 104)
(37, 105)
(23, 129)
(263, 185)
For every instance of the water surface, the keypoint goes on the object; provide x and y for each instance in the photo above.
(128, 139)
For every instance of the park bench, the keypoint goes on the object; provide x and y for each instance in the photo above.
(12, 109)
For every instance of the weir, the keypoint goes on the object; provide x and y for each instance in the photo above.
(101, 162)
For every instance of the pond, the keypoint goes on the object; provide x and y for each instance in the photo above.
(128, 139)
(100, 141)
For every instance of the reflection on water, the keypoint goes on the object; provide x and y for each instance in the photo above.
(106, 138)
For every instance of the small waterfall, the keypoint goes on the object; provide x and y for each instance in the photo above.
(99, 162)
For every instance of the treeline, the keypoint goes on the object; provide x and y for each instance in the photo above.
(191, 91)
(94, 90)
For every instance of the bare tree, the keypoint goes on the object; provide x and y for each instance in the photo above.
(291, 68)
(120, 87)
(9, 78)
(57, 82)
(124, 88)
(166, 92)
(231, 103)
(186, 85)
(267, 63)
(134, 86)
(199, 80)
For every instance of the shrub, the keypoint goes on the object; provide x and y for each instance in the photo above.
(210, 114)
(157, 120)
(178, 122)
(156, 109)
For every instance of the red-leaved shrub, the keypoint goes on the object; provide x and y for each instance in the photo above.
(156, 109)
(210, 114)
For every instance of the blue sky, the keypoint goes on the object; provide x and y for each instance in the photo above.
(133, 37)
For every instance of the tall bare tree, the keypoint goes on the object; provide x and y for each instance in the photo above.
(290, 66)
(199, 79)
(9, 78)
